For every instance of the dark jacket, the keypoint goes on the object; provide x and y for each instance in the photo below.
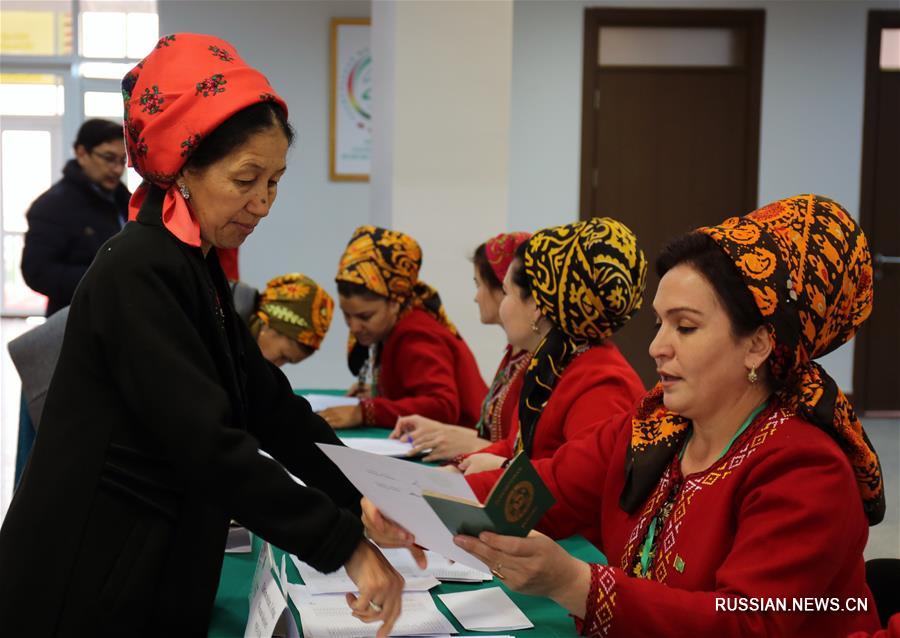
(148, 446)
(66, 227)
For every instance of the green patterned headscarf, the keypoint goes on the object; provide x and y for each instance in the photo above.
(294, 305)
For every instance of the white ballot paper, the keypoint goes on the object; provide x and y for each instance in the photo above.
(384, 447)
(338, 582)
(438, 567)
(319, 402)
(395, 487)
(486, 610)
(268, 605)
(329, 616)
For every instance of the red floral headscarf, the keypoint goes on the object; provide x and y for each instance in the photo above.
(808, 266)
(182, 91)
(501, 250)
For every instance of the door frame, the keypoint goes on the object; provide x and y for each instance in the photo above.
(753, 20)
(877, 20)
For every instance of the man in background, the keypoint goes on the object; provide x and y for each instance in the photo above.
(68, 223)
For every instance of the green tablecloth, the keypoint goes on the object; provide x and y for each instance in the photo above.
(232, 606)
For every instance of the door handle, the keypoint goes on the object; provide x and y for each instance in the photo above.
(886, 259)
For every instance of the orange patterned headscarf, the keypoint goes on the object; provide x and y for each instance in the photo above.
(386, 262)
(807, 264)
(182, 91)
(295, 306)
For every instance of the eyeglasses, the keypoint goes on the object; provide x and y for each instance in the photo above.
(111, 158)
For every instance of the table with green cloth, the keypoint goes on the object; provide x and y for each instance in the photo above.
(229, 615)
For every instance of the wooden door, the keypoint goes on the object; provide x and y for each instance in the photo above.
(671, 143)
(876, 378)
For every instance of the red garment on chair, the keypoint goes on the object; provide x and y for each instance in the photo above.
(228, 259)
(426, 370)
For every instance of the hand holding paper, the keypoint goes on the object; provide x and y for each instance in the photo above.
(378, 583)
(534, 565)
(386, 533)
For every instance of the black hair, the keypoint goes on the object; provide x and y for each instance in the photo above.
(703, 254)
(517, 270)
(487, 274)
(95, 132)
(236, 130)
(347, 289)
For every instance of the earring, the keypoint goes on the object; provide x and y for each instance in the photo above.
(534, 327)
(752, 377)
(185, 191)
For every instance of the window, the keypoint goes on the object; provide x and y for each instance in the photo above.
(57, 72)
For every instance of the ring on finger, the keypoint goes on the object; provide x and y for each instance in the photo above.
(375, 606)
(496, 571)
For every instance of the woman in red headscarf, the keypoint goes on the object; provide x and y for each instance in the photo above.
(445, 441)
(161, 400)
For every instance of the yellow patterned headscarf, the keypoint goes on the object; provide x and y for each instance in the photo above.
(387, 262)
(588, 279)
(295, 306)
(808, 267)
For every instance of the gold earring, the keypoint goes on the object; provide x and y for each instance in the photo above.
(752, 377)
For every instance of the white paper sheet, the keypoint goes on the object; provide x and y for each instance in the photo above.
(338, 582)
(268, 604)
(385, 447)
(395, 487)
(438, 566)
(486, 610)
(329, 616)
(319, 402)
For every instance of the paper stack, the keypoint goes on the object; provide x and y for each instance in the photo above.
(486, 610)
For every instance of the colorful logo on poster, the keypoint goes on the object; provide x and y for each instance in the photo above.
(356, 88)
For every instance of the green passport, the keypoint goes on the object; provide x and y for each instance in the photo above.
(513, 507)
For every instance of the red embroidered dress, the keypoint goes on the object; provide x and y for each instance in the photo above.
(595, 385)
(425, 369)
(499, 407)
(767, 522)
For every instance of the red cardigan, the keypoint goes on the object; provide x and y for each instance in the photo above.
(595, 385)
(425, 370)
(779, 516)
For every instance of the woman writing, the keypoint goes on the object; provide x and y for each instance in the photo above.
(408, 356)
(446, 441)
(161, 400)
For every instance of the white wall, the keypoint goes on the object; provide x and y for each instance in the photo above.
(440, 170)
(811, 121)
(313, 218)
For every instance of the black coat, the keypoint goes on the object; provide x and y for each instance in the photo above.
(66, 227)
(148, 446)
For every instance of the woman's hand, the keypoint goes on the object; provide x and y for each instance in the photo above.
(533, 565)
(386, 533)
(360, 391)
(343, 416)
(481, 463)
(380, 587)
(444, 440)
